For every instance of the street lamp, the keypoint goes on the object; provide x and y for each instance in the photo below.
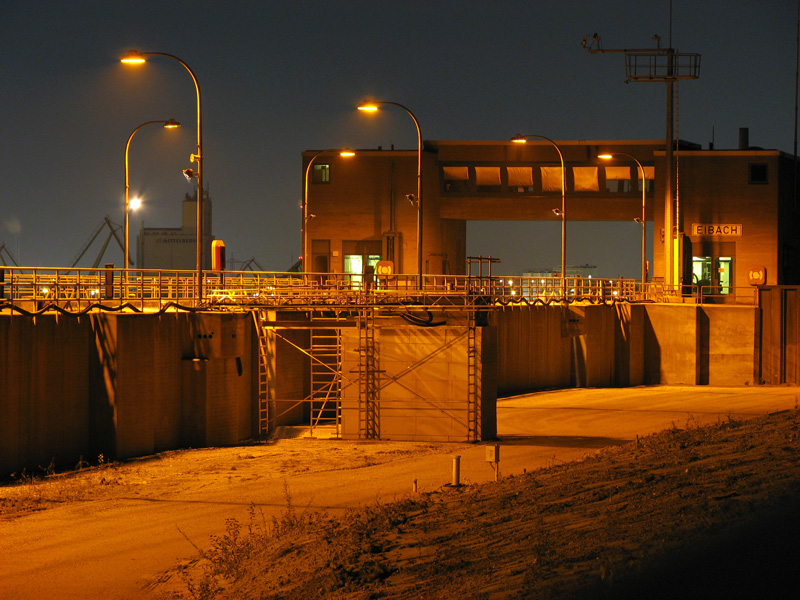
(130, 205)
(522, 139)
(642, 221)
(306, 215)
(137, 58)
(373, 107)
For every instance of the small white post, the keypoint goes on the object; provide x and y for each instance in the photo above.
(456, 471)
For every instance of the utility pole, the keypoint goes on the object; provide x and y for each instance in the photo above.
(661, 65)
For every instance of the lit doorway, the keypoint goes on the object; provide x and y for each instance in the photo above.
(360, 258)
(713, 275)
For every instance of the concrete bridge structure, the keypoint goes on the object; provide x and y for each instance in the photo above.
(127, 365)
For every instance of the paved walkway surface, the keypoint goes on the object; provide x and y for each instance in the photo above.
(114, 549)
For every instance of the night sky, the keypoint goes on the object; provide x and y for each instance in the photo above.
(279, 77)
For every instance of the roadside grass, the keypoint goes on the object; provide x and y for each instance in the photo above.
(44, 487)
(662, 517)
(347, 550)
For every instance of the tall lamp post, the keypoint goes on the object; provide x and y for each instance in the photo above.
(373, 107)
(306, 215)
(170, 124)
(522, 139)
(643, 221)
(137, 58)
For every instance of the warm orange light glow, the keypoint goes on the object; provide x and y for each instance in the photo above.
(347, 152)
(172, 124)
(519, 139)
(368, 107)
(133, 58)
(605, 156)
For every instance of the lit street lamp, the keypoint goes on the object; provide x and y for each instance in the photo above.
(373, 107)
(562, 212)
(136, 58)
(132, 205)
(642, 221)
(306, 215)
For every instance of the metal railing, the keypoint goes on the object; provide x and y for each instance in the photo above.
(75, 290)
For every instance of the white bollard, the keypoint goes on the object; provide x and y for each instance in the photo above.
(456, 471)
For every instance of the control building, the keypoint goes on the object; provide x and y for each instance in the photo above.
(736, 209)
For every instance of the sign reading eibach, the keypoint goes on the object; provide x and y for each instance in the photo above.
(716, 229)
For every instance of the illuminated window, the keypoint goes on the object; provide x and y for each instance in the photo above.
(320, 173)
(585, 179)
(551, 179)
(456, 179)
(618, 179)
(487, 179)
(520, 179)
(759, 173)
(649, 179)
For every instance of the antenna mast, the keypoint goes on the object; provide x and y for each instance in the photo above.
(661, 65)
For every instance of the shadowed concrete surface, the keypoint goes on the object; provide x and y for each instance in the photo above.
(113, 548)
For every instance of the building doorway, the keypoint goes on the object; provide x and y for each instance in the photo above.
(713, 275)
(360, 257)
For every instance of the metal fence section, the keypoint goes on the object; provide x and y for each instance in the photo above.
(75, 290)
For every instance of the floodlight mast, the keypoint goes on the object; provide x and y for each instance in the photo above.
(661, 65)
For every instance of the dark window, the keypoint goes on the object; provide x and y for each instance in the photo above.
(321, 174)
(758, 173)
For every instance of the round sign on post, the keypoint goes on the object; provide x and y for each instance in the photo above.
(757, 275)
(384, 268)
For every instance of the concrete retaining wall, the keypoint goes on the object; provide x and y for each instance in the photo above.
(727, 345)
(44, 390)
(121, 385)
(779, 332)
(568, 346)
(124, 385)
(542, 347)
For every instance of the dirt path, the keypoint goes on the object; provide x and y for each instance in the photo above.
(112, 532)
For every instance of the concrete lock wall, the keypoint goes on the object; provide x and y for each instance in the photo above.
(124, 385)
(121, 385)
(44, 409)
(568, 346)
(779, 329)
(700, 345)
(424, 378)
(541, 347)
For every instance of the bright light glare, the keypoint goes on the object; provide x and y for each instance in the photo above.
(347, 152)
(519, 139)
(135, 203)
(133, 58)
(368, 107)
(605, 156)
(171, 124)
